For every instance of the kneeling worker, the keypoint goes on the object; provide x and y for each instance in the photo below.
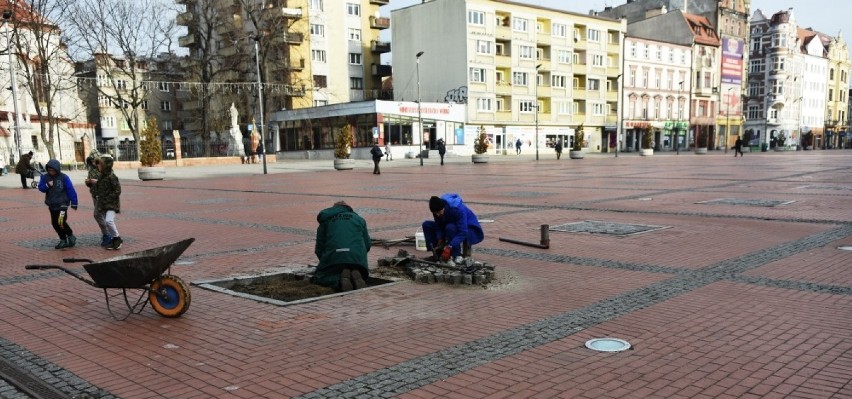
(342, 246)
(454, 229)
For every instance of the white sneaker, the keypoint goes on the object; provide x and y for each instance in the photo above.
(459, 260)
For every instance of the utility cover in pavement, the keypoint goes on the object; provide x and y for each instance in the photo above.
(525, 194)
(611, 228)
(607, 344)
(748, 202)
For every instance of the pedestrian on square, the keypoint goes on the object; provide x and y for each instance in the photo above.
(518, 145)
(59, 195)
(558, 148)
(442, 149)
(23, 168)
(107, 189)
(377, 157)
(453, 230)
(341, 246)
(388, 155)
(92, 165)
(738, 147)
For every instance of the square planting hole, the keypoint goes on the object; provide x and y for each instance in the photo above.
(281, 288)
(746, 202)
(610, 228)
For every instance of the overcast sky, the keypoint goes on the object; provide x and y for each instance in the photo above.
(827, 16)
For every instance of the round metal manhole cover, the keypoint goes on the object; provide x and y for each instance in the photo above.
(607, 344)
(845, 248)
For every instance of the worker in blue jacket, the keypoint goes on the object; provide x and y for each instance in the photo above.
(454, 228)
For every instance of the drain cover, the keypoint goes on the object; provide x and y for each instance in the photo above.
(607, 344)
(611, 228)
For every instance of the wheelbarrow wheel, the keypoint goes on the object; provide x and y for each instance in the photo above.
(169, 296)
(34, 184)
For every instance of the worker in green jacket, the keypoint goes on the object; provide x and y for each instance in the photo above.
(342, 245)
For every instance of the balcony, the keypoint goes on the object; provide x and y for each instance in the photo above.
(380, 2)
(382, 70)
(379, 22)
(184, 19)
(289, 38)
(285, 65)
(380, 47)
(275, 12)
(294, 91)
(186, 41)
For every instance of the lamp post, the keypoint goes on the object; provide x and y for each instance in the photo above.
(535, 104)
(6, 15)
(419, 114)
(728, 120)
(260, 99)
(618, 113)
(679, 116)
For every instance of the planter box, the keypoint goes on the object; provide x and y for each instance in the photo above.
(646, 152)
(152, 172)
(701, 151)
(344, 164)
(479, 158)
(576, 154)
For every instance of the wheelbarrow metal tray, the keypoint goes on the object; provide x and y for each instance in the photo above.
(136, 269)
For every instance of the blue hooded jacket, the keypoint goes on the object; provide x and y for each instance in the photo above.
(62, 194)
(466, 224)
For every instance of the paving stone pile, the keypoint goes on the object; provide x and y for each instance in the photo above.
(430, 271)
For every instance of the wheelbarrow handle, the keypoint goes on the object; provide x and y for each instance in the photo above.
(67, 271)
(41, 267)
(74, 260)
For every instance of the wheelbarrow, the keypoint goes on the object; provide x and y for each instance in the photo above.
(144, 271)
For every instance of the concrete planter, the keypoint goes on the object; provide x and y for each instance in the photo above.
(344, 164)
(151, 172)
(646, 152)
(576, 154)
(479, 158)
(701, 151)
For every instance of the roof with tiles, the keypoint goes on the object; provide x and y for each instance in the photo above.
(702, 29)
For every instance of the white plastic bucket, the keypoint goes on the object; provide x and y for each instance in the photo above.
(419, 241)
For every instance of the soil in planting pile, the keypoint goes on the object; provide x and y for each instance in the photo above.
(283, 290)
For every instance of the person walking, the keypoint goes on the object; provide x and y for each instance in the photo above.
(59, 195)
(377, 157)
(388, 154)
(518, 146)
(442, 149)
(738, 147)
(558, 148)
(92, 164)
(107, 189)
(342, 243)
(23, 168)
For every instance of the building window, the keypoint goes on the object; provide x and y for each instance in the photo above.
(520, 24)
(320, 81)
(593, 85)
(163, 86)
(317, 30)
(318, 55)
(165, 106)
(355, 59)
(593, 35)
(659, 53)
(520, 78)
(526, 106)
(316, 5)
(778, 63)
(559, 81)
(598, 109)
(108, 121)
(356, 83)
(483, 104)
(122, 84)
(353, 9)
(564, 56)
(483, 46)
(563, 108)
(144, 104)
(526, 52)
(167, 126)
(477, 75)
(320, 103)
(756, 66)
(476, 17)
(597, 60)
(355, 34)
(104, 101)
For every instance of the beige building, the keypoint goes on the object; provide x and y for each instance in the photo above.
(525, 72)
(837, 99)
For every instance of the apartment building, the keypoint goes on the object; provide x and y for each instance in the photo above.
(729, 19)
(525, 72)
(837, 99)
(809, 109)
(657, 78)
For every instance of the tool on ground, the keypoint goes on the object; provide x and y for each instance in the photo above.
(545, 239)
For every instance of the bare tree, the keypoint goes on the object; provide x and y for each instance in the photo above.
(128, 33)
(43, 65)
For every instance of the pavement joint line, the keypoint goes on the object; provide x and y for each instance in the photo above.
(445, 363)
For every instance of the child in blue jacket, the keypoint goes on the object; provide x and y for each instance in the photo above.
(59, 195)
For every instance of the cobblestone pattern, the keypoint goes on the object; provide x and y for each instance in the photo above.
(416, 373)
(48, 372)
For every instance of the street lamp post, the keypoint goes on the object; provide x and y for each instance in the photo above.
(728, 120)
(679, 116)
(419, 114)
(535, 104)
(618, 113)
(260, 99)
(6, 15)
